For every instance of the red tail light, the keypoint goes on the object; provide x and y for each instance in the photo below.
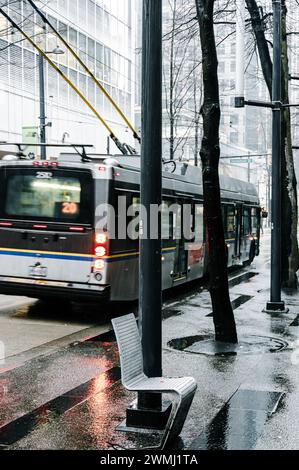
(101, 239)
(6, 224)
(76, 229)
(100, 251)
(40, 226)
(101, 245)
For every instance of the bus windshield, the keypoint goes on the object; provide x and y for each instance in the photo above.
(56, 196)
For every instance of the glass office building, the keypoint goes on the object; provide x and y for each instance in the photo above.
(102, 33)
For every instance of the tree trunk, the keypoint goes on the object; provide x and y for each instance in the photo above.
(289, 248)
(196, 119)
(225, 328)
(196, 140)
(289, 183)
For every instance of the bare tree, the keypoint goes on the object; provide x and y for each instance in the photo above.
(225, 327)
(181, 74)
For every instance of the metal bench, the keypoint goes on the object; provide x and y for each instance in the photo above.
(181, 390)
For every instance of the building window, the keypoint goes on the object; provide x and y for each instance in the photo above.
(221, 67)
(234, 137)
(234, 120)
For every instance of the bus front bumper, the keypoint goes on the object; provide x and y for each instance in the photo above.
(39, 288)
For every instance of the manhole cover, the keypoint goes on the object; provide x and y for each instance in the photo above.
(248, 344)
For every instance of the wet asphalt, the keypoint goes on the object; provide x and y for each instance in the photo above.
(69, 395)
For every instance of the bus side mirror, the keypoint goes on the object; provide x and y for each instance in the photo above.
(264, 214)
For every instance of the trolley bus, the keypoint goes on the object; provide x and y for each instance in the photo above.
(51, 245)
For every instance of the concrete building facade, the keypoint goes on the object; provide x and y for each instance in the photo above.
(102, 32)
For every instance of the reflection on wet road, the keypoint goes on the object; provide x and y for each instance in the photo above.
(240, 422)
(61, 389)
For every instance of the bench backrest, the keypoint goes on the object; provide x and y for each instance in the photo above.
(129, 346)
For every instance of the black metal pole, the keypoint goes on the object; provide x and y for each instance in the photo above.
(42, 111)
(269, 208)
(276, 155)
(275, 303)
(150, 280)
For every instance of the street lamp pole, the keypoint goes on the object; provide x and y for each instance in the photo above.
(276, 304)
(150, 412)
(42, 107)
(150, 282)
(42, 104)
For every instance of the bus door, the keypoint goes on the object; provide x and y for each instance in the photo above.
(246, 239)
(181, 253)
(238, 232)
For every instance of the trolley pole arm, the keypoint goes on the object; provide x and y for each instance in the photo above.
(87, 70)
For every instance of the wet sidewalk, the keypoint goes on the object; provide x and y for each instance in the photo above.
(247, 397)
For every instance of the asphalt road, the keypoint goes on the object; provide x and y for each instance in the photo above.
(29, 328)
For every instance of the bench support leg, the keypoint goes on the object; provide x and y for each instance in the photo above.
(148, 418)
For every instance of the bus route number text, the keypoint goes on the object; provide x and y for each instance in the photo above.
(69, 208)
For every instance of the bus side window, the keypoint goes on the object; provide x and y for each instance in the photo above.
(255, 220)
(198, 223)
(126, 226)
(133, 226)
(167, 220)
(231, 222)
(246, 225)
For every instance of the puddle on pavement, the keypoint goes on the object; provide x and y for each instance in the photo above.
(18, 428)
(241, 421)
(249, 344)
